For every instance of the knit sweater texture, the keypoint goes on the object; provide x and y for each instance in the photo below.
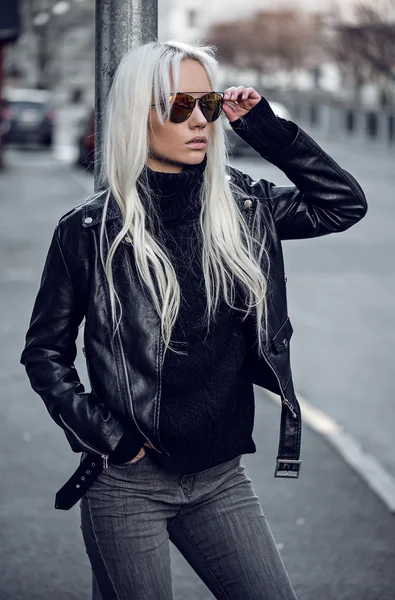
(207, 397)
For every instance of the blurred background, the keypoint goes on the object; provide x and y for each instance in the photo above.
(327, 65)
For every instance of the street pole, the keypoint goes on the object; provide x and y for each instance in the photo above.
(120, 25)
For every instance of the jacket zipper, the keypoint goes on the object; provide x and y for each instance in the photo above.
(85, 444)
(128, 390)
(284, 400)
(127, 240)
(160, 366)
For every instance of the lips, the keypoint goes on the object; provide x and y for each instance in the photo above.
(197, 145)
(198, 140)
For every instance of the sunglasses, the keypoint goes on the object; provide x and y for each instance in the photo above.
(210, 104)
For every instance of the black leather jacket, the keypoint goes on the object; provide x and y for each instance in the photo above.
(126, 385)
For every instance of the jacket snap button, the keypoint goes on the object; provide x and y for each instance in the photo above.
(285, 342)
(228, 177)
(88, 220)
(247, 203)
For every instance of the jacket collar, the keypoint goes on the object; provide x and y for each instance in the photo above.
(92, 210)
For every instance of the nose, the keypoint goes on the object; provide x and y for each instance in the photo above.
(197, 116)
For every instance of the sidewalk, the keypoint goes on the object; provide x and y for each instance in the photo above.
(336, 537)
(339, 539)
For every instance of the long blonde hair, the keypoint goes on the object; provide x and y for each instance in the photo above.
(229, 251)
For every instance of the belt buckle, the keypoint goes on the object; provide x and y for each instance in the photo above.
(284, 472)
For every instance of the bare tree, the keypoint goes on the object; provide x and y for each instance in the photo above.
(50, 33)
(268, 40)
(365, 49)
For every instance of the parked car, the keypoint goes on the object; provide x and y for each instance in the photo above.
(29, 115)
(86, 142)
(4, 126)
(238, 146)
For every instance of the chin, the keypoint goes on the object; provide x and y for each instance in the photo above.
(196, 157)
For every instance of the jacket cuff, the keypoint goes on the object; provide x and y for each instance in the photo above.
(266, 133)
(127, 447)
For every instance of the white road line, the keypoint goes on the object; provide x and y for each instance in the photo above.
(366, 465)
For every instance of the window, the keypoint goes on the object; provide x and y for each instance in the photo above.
(192, 18)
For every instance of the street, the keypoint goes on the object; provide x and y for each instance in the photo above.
(340, 291)
(336, 537)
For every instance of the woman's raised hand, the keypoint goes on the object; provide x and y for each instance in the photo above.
(238, 101)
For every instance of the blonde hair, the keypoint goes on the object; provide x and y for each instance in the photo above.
(229, 251)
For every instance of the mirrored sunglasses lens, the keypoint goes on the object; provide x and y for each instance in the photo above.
(183, 105)
(182, 108)
(211, 106)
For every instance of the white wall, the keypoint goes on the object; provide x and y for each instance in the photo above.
(174, 19)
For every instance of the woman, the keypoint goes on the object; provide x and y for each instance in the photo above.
(176, 266)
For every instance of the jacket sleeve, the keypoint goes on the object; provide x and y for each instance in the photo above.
(325, 198)
(49, 355)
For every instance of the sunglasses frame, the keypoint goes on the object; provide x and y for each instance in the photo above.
(195, 100)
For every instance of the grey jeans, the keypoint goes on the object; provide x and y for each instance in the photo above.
(213, 517)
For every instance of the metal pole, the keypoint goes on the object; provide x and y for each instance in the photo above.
(120, 25)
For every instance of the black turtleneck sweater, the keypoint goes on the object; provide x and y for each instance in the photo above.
(207, 398)
(206, 410)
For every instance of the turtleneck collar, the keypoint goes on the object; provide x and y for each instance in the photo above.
(176, 194)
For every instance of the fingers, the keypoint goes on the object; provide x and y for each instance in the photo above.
(233, 93)
(138, 456)
(239, 93)
(248, 92)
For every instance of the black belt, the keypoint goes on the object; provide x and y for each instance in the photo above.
(288, 462)
(287, 465)
(89, 469)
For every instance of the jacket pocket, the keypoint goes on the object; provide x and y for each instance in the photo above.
(282, 338)
(88, 368)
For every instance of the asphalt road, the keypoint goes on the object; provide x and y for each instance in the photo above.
(336, 537)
